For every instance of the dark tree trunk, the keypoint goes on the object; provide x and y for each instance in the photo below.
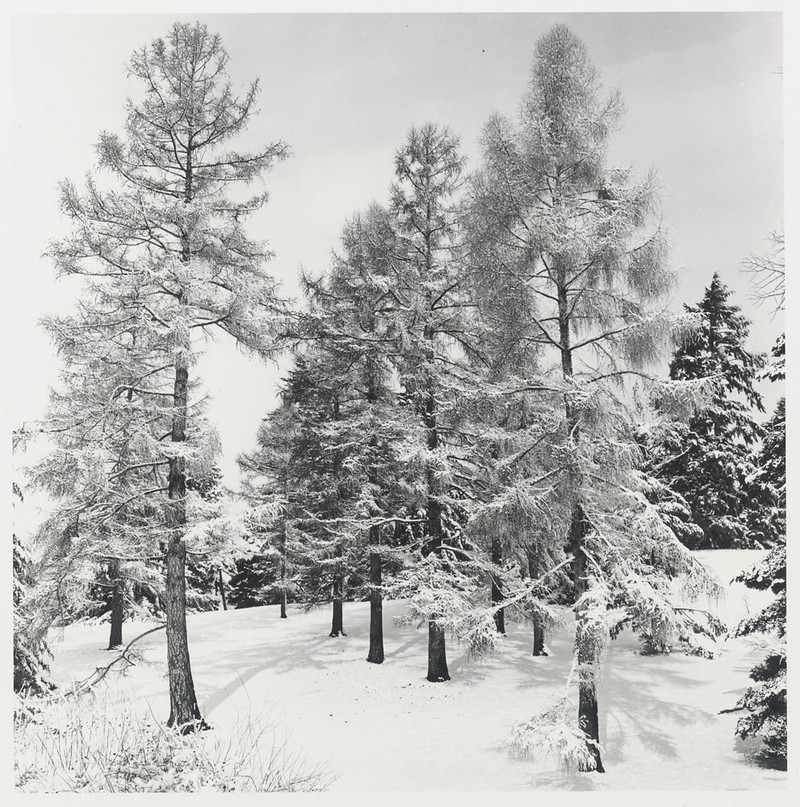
(375, 655)
(497, 590)
(221, 584)
(283, 571)
(437, 651)
(337, 623)
(184, 711)
(538, 635)
(437, 654)
(588, 719)
(117, 605)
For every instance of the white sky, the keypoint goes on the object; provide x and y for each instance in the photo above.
(704, 109)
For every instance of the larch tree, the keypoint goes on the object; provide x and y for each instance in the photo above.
(266, 576)
(575, 234)
(171, 227)
(326, 478)
(516, 427)
(103, 460)
(437, 349)
(351, 320)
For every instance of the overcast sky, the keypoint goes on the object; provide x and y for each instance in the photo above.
(704, 109)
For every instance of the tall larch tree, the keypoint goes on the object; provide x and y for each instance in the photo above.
(171, 227)
(431, 312)
(575, 233)
(351, 319)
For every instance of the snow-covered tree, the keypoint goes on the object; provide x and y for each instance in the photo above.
(30, 640)
(708, 461)
(326, 479)
(437, 348)
(169, 229)
(765, 700)
(574, 233)
(103, 463)
(267, 575)
(352, 321)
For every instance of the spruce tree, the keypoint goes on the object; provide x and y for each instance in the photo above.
(765, 699)
(709, 461)
(325, 479)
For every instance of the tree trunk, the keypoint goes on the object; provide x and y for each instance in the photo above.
(184, 711)
(221, 584)
(375, 655)
(117, 605)
(587, 663)
(437, 654)
(437, 651)
(588, 719)
(497, 590)
(337, 623)
(538, 635)
(283, 570)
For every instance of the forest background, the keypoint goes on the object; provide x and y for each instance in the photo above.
(702, 91)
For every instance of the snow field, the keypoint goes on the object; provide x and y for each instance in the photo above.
(385, 728)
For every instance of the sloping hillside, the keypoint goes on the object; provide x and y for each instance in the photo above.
(386, 728)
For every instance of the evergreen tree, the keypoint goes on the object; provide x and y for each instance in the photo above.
(573, 231)
(708, 462)
(766, 699)
(257, 581)
(267, 577)
(171, 232)
(351, 319)
(327, 478)
(30, 640)
(104, 460)
(437, 352)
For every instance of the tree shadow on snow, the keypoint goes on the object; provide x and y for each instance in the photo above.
(641, 700)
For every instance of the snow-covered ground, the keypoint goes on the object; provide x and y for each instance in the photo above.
(384, 727)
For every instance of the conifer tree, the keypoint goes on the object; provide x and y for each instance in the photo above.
(708, 462)
(437, 351)
(267, 576)
(102, 467)
(574, 233)
(765, 700)
(307, 482)
(352, 319)
(170, 231)
(30, 641)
